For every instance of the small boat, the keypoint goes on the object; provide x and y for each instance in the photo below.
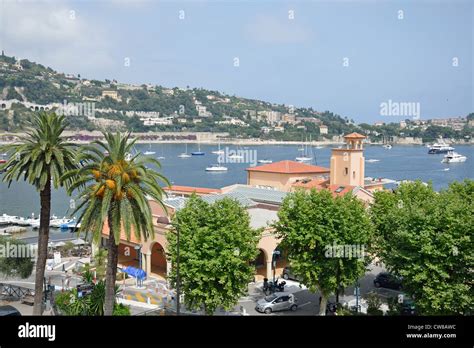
(17, 220)
(219, 151)
(235, 156)
(57, 223)
(305, 156)
(303, 159)
(440, 147)
(372, 160)
(4, 220)
(185, 154)
(264, 161)
(36, 224)
(198, 152)
(216, 168)
(149, 152)
(387, 146)
(162, 157)
(454, 157)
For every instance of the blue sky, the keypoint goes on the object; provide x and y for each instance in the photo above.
(295, 61)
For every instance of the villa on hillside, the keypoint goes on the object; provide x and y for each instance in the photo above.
(267, 186)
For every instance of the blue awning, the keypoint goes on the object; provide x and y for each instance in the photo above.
(135, 272)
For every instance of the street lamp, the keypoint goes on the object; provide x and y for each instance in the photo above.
(138, 250)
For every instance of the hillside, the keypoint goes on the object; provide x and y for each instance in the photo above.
(26, 87)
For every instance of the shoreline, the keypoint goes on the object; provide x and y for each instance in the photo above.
(255, 143)
(234, 141)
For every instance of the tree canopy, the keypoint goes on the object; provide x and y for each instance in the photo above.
(217, 245)
(321, 234)
(426, 237)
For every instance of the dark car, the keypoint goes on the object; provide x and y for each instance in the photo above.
(288, 274)
(9, 311)
(408, 307)
(387, 280)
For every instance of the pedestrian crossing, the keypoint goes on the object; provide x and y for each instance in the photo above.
(145, 298)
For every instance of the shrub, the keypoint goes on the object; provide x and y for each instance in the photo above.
(121, 310)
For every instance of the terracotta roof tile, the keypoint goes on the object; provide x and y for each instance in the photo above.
(191, 189)
(289, 167)
(354, 136)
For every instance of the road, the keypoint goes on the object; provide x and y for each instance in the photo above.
(308, 302)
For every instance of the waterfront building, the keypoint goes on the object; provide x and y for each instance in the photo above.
(262, 196)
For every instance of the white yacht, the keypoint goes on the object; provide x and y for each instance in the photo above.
(372, 160)
(18, 220)
(387, 146)
(454, 157)
(216, 168)
(235, 156)
(185, 154)
(303, 159)
(219, 151)
(58, 222)
(440, 147)
(4, 219)
(149, 152)
(265, 161)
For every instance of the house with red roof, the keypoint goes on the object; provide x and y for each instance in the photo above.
(282, 175)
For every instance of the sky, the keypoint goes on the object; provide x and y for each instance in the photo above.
(348, 57)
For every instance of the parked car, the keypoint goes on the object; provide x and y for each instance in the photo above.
(279, 301)
(288, 274)
(387, 280)
(9, 311)
(408, 307)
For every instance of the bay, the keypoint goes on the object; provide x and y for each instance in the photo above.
(398, 163)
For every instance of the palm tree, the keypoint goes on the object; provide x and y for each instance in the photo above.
(114, 189)
(41, 157)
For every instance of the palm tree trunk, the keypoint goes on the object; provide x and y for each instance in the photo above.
(43, 238)
(111, 274)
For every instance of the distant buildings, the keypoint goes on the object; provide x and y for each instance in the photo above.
(323, 129)
(111, 94)
(262, 197)
(455, 123)
(314, 120)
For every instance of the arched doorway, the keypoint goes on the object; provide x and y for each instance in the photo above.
(4, 106)
(260, 264)
(158, 260)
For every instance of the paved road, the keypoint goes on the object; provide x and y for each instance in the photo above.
(308, 301)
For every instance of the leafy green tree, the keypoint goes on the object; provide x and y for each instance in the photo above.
(40, 157)
(426, 237)
(314, 226)
(216, 246)
(114, 191)
(19, 264)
